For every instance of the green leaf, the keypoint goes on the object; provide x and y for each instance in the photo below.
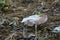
(2, 3)
(39, 13)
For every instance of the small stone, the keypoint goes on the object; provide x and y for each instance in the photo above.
(15, 18)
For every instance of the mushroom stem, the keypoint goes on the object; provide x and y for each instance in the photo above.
(36, 31)
(23, 32)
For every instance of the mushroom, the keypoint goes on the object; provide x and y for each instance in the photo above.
(56, 30)
(35, 20)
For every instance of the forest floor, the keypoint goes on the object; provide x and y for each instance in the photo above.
(23, 10)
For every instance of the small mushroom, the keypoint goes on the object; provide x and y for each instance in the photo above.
(31, 35)
(56, 30)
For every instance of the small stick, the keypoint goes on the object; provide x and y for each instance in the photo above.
(10, 36)
(36, 31)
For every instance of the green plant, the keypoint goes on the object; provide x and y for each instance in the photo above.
(2, 3)
(39, 13)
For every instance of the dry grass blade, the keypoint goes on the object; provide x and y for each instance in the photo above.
(10, 36)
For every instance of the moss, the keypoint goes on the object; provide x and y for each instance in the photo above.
(46, 39)
(2, 3)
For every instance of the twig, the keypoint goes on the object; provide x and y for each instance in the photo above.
(10, 36)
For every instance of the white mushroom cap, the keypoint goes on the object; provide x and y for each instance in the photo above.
(30, 20)
(33, 17)
(56, 30)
